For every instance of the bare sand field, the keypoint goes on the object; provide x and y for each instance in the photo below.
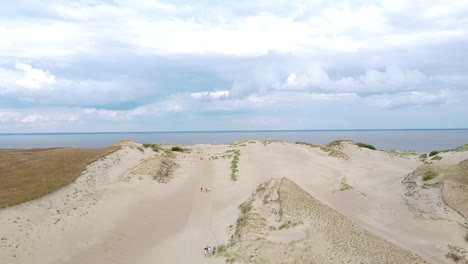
(270, 202)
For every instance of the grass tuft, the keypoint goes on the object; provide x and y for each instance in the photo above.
(332, 152)
(234, 163)
(344, 185)
(432, 153)
(155, 147)
(458, 149)
(364, 145)
(429, 175)
(178, 149)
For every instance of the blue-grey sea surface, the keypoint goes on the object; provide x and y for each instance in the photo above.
(418, 140)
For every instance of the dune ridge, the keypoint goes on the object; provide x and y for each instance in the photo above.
(279, 205)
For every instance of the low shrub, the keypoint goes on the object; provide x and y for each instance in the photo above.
(436, 157)
(177, 148)
(364, 145)
(432, 153)
(429, 175)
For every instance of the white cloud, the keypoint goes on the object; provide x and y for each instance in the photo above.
(418, 99)
(25, 78)
(6, 116)
(212, 95)
(125, 54)
(312, 77)
(73, 118)
(34, 119)
(43, 40)
(31, 84)
(32, 78)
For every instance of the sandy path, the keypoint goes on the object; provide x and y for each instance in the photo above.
(185, 244)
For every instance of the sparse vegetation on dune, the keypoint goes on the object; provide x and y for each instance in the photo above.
(312, 145)
(327, 236)
(154, 147)
(457, 254)
(429, 175)
(330, 148)
(166, 167)
(178, 149)
(26, 174)
(269, 141)
(160, 168)
(402, 154)
(452, 179)
(423, 158)
(458, 149)
(344, 185)
(234, 162)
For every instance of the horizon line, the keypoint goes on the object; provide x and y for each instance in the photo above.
(227, 131)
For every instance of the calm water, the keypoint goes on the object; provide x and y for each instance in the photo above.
(419, 140)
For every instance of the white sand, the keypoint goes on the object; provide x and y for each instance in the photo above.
(142, 221)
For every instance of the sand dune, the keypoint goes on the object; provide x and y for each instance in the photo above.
(116, 212)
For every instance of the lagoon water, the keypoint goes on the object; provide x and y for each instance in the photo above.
(420, 140)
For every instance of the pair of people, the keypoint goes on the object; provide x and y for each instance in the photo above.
(206, 189)
(208, 251)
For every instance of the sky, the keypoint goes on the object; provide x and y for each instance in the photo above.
(144, 65)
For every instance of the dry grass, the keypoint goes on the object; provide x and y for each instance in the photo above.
(453, 178)
(26, 174)
(333, 149)
(165, 170)
(344, 185)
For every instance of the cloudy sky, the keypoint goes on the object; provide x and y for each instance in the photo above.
(145, 65)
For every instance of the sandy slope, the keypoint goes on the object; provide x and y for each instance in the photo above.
(104, 219)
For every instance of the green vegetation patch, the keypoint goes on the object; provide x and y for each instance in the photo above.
(312, 145)
(268, 142)
(423, 158)
(290, 224)
(436, 157)
(332, 152)
(458, 149)
(429, 175)
(234, 164)
(434, 152)
(364, 145)
(344, 185)
(154, 147)
(178, 149)
(401, 154)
